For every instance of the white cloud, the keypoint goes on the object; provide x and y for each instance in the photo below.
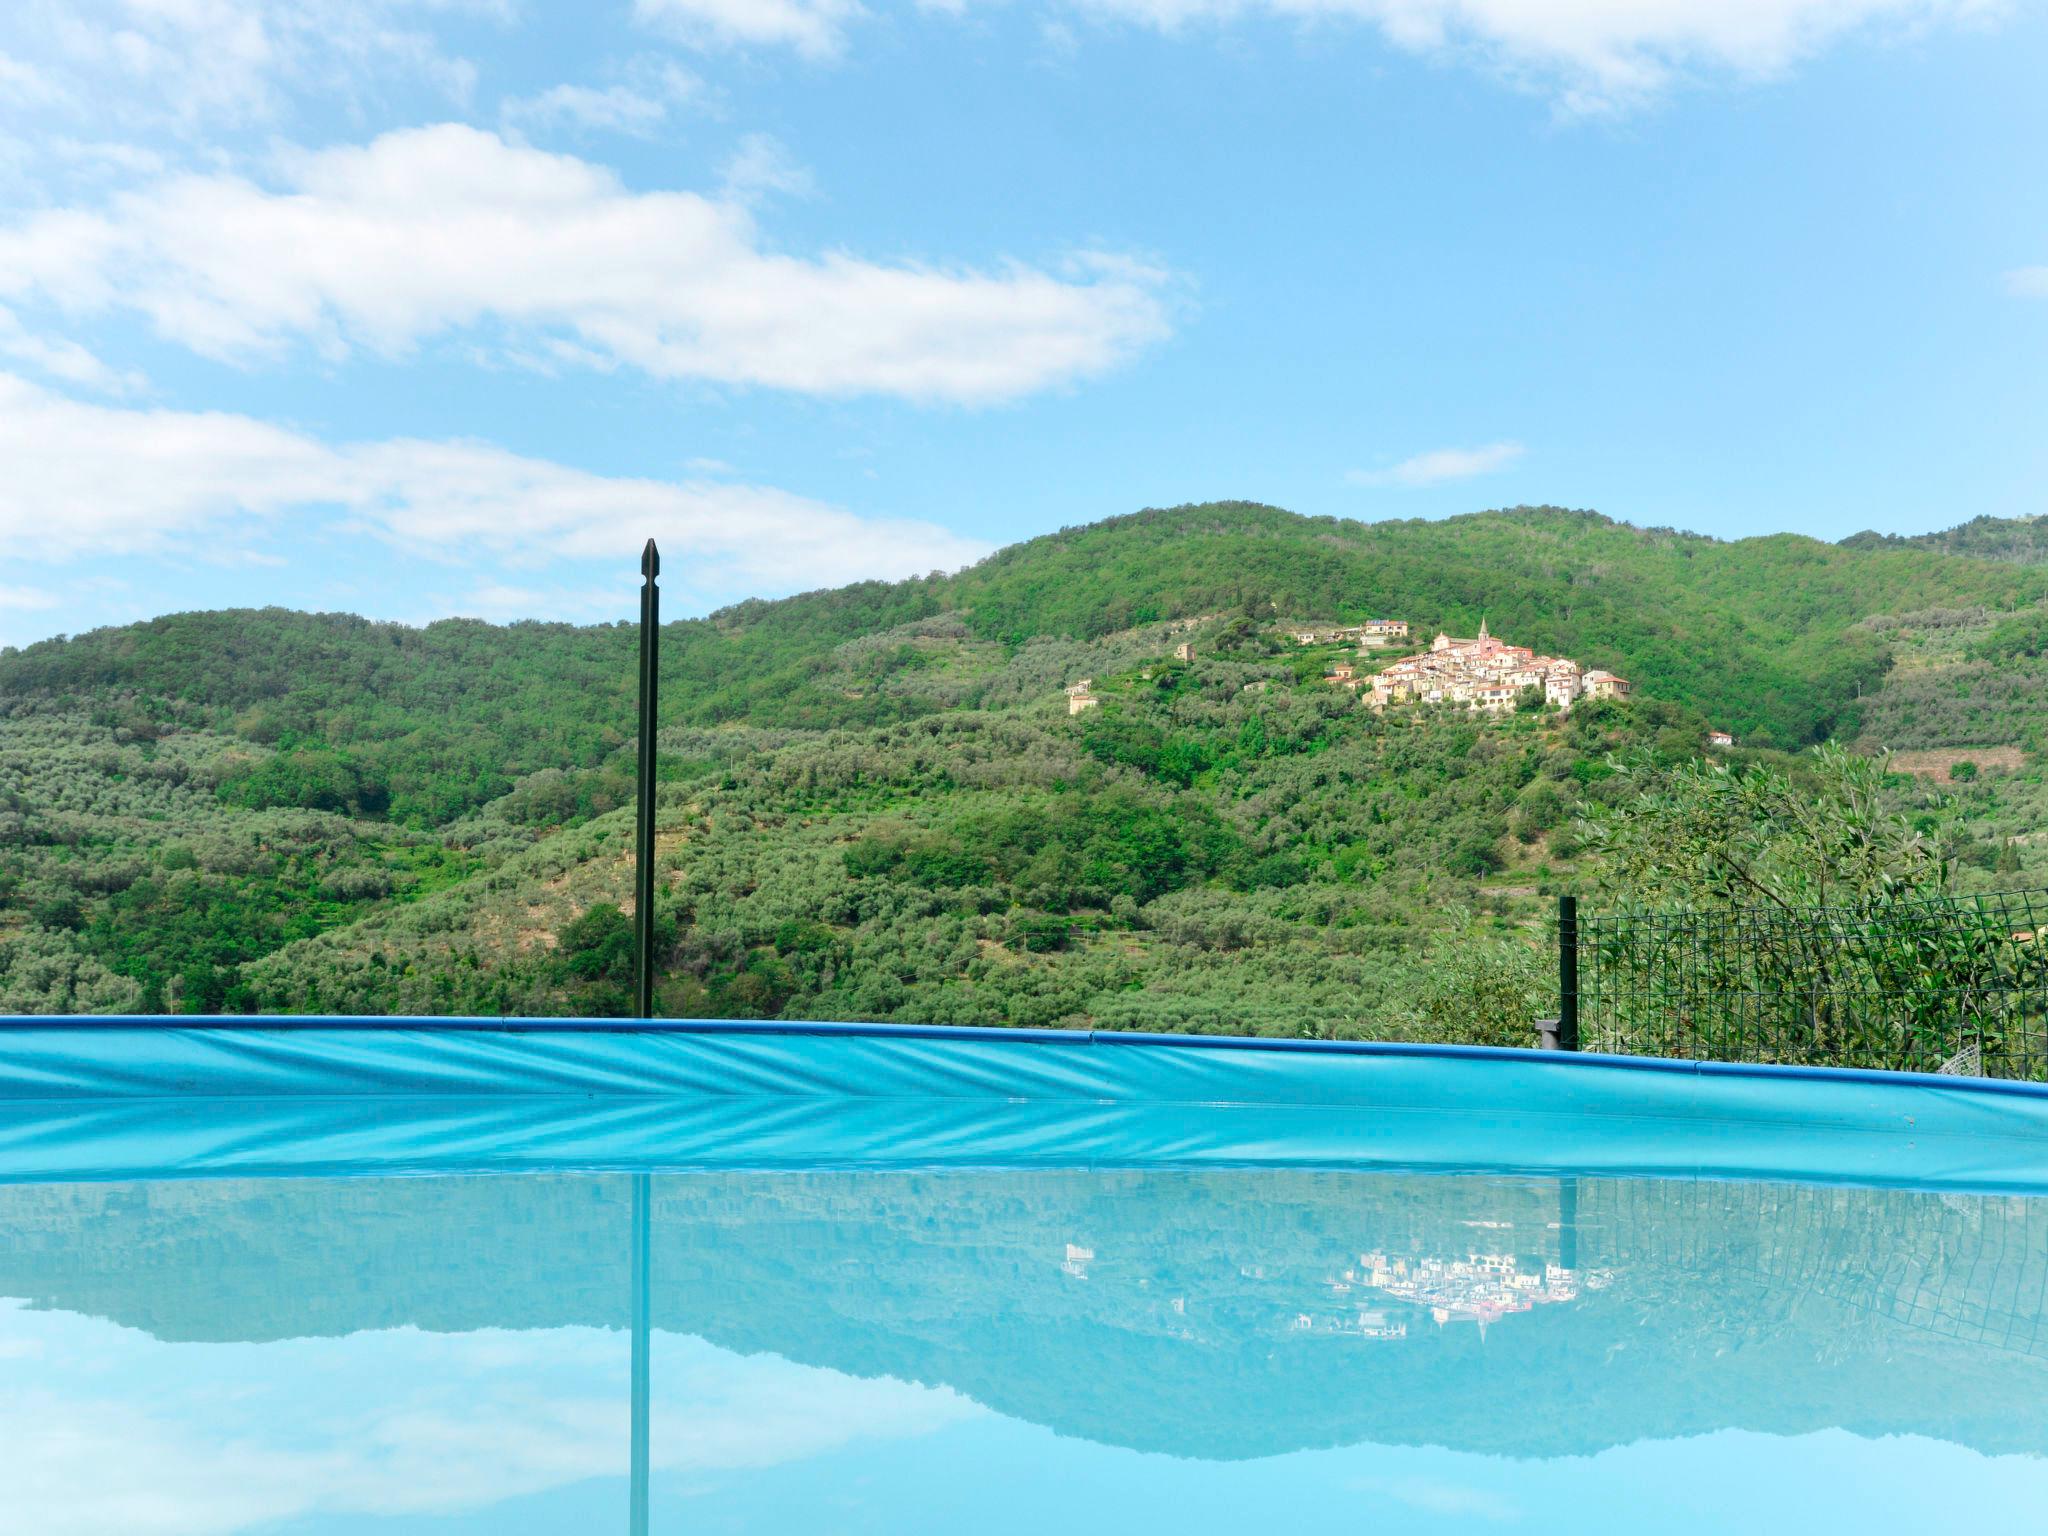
(187, 63)
(24, 84)
(616, 108)
(106, 158)
(639, 105)
(86, 479)
(1594, 55)
(2027, 282)
(760, 165)
(1440, 465)
(25, 600)
(61, 358)
(815, 28)
(434, 230)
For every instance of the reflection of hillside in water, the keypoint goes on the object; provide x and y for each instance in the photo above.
(1209, 1314)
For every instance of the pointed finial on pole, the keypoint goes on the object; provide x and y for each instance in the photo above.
(650, 561)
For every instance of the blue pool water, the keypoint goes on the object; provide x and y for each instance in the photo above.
(358, 1276)
(1035, 1350)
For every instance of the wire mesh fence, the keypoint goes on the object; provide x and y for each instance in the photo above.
(1973, 1268)
(1950, 984)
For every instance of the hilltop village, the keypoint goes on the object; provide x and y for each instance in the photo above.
(1482, 673)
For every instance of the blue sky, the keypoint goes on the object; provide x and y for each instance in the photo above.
(432, 307)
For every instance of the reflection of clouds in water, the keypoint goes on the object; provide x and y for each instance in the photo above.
(206, 1440)
(83, 1467)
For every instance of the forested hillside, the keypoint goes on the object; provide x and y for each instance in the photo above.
(874, 803)
(2022, 540)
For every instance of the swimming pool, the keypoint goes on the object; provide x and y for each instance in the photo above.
(809, 1310)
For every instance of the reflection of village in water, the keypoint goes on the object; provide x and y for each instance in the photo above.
(1481, 1288)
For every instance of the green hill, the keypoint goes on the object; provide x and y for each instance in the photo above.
(1760, 632)
(875, 803)
(2021, 540)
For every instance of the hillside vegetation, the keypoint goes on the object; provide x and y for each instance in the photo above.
(875, 805)
(2022, 540)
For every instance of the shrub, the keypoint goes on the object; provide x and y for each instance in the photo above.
(359, 883)
(1487, 994)
(598, 946)
(1043, 935)
(58, 912)
(309, 781)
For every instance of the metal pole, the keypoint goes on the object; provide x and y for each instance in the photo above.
(643, 844)
(643, 1340)
(643, 1007)
(1567, 973)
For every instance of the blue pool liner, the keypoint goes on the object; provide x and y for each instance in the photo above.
(103, 1097)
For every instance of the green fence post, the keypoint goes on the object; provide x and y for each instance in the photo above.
(1567, 973)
